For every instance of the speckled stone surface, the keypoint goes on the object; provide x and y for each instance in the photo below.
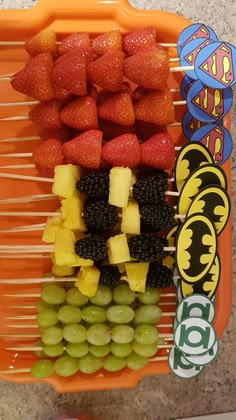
(158, 397)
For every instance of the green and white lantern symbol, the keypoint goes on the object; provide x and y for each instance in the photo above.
(180, 366)
(206, 358)
(194, 336)
(195, 306)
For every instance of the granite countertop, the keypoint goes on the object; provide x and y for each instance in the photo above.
(156, 397)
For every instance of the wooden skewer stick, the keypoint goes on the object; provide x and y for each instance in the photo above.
(30, 213)
(30, 228)
(16, 139)
(23, 103)
(27, 166)
(24, 256)
(28, 198)
(26, 177)
(10, 249)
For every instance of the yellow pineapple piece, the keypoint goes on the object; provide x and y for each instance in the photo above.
(61, 271)
(53, 224)
(65, 177)
(118, 250)
(137, 275)
(71, 213)
(131, 219)
(121, 267)
(87, 282)
(65, 248)
(119, 188)
(83, 262)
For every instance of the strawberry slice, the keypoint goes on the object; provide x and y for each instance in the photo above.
(106, 42)
(63, 133)
(62, 94)
(107, 71)
(139, 39)
(158, 152)
(122, 151)
(44, 171)
(85, 52)
(117, 108)
(148, 68)
(111, 130)
(145, 130)
(81, 114)
(70, 74)
(84, 150)
(155, 107)
(76, 39)
(48, 154)
(46, 114)
(35, 78)
(42, 42)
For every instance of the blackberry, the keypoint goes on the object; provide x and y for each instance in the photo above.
(150, 187)
(91, 247)
(156, 216)
(100, 216)
(95, 184)
(109, 276)
(158, 276)
(146, 247)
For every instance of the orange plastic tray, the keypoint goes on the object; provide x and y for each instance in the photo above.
(93, 16)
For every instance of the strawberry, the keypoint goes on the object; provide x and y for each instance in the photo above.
(62, 94)
(139, 39)
(70, 74)
(145, 130)
(106, 42)
(138, 93)
(35, 78)
(117, 108)
(111, 130)
(92, 91)
(85, 149)
(85, 52)
(42, 42)
(46, 114)
(76, 39)
(81, 114)
(158, 152)
(122, 151)
(48, 154)
(155, 107)
(107, 71)
(63, 133)
(127, 88)
(44, 171)
(148, 68)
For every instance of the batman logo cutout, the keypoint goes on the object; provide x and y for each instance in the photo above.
(207, 285)
(196, 246)
(204, 176)
(191, 156)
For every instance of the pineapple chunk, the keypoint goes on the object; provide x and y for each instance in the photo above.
(131, 219)
(65, 177)
(120, 183)
(53, 224)
(83, 262)
(71, 213)
(121, 267)
(137, 275)
(118, 250)
(65, 248)
(87, 282)
(61, 271)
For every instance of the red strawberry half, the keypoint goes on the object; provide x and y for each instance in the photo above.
(106, 42)
(158, 152)
(42, 42)
(107, 71)
(85, 149)
(155, 107)
(111, 130)
(70, 74)
(48, 154)
(81, 114)
(139, 39)
(63, 133)
(76, 39)
(117, 108)
(46, 114)
(122, 151)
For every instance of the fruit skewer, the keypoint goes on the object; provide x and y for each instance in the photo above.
(40, 280)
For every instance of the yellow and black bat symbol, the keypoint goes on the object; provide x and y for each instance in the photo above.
(215, 202)
(171, 234)
(206, 175)
(191, 156)
(207, 285)
(196, 246)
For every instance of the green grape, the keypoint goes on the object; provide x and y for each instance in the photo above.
(41, 305)
(74, 333)
(146, 334)
(149, 297)
(113, 363)
(75, 297)
(77, 349)
(103, 296)
(54, 350)
(89, 364)
(122, 334)
(66, 366)
(99, 334)
(121, 350)
(52, 335)
(53, 294)
(69, 284)
(120, 314)
(122, 295)
(39, 353)
(136, 362)
(147, 314)
(99, 351)
(42, 369)
(145, 350)
(69, 314)
(93, 314)
(47, 318)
